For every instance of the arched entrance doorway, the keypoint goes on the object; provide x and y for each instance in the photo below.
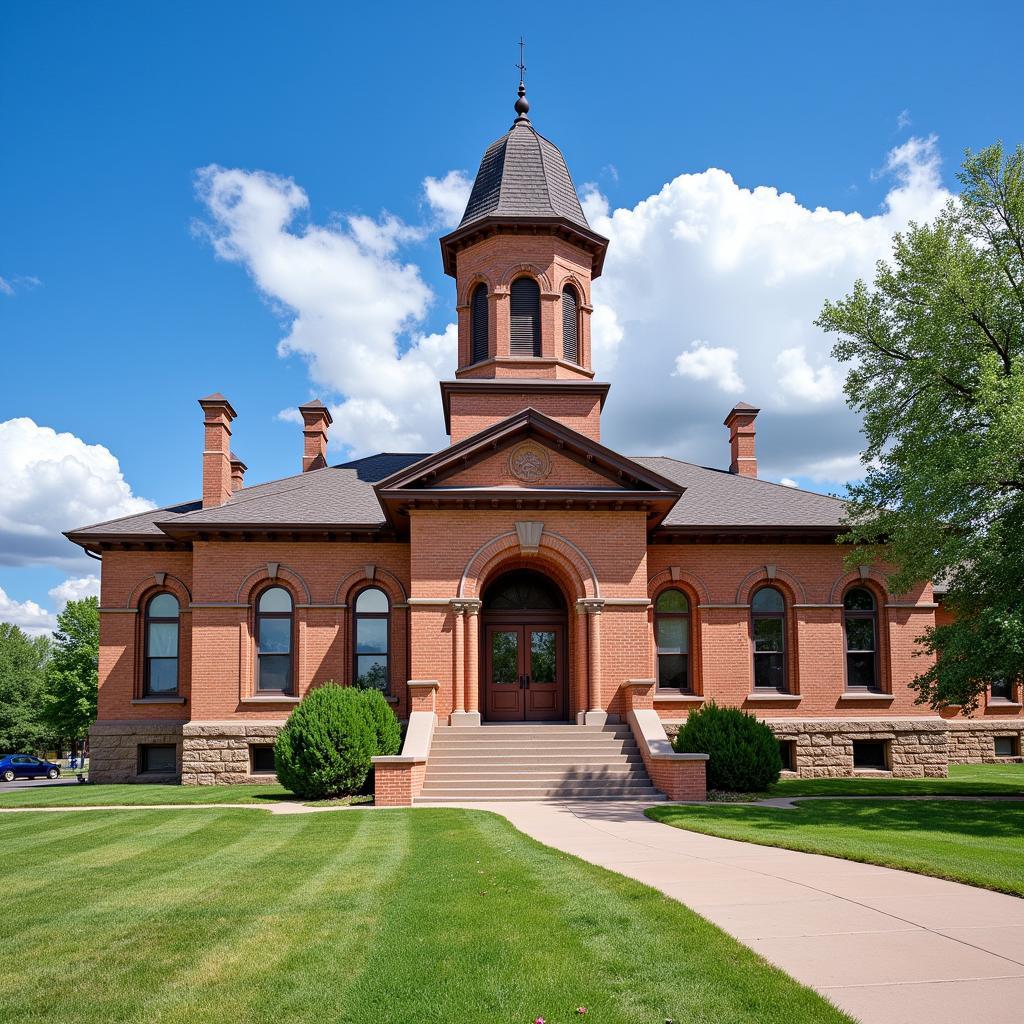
(523, 657)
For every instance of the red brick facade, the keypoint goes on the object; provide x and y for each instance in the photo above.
(555, 503)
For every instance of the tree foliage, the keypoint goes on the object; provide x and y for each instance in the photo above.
(72, 676)
(22, 681)
(936, 347)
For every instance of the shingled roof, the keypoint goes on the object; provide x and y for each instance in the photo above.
(343, 498)
(525, 175)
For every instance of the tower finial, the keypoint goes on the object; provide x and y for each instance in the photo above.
(522, 103)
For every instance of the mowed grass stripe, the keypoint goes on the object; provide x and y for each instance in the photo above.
(116, 842)
(973, 841)
(367, 917)
(107, 927)
(267, 959)
(513, 930)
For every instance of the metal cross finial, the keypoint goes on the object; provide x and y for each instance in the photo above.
(522, 103)
(521, 65)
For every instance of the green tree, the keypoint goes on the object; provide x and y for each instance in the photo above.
(72, 676)
(22, 678)
(936, 348)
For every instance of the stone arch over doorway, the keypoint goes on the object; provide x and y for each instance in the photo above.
(524, 644)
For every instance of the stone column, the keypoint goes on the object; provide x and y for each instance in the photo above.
(473, 661)
(461, 669)
(593, 607)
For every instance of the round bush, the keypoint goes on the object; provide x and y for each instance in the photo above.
(743, 752)
(383, 721)
(325, 747)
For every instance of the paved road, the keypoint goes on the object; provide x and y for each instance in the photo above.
(64, 780)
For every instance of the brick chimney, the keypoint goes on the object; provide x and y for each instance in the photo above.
(217, 472)
(740, 422)
(316, 418)
(238, 468)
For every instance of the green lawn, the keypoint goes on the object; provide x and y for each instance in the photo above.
(963, 780)
(967, 841)
(362, 917)
(111, 795)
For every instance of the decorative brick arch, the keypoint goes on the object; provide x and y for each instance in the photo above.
(797, 593)
(285, 574)
(572, 279)
(554, 548)
(382, 578)
(849, 579)
(172, 584)
(695, 583)
(470, 287)
(525, 270)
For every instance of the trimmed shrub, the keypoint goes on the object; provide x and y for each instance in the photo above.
(743, 752)
(382, 718)
(325, 747)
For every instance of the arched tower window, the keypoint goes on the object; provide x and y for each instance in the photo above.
(860, 625)
(160, 675)
(274, 631)
(570, 324)
(768, 629)
(372, 646)
(672, 635)
(478, 322)
(524, 296)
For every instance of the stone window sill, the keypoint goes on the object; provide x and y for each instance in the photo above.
(855, 695)
(158, 700)
(281, 698)
(1000, 703)
(773, 696)
(669, 697)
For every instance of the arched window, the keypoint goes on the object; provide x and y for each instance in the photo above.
(570, 325)
(160, 675)
(524, 317)
(372, 625)
(672, 634)
(478, 322)
(274, 641)
(860, 624)
(768, 628)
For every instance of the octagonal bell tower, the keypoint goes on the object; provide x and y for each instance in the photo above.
(523, 258)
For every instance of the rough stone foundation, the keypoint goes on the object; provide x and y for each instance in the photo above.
(217, 753)
(114, 750)
(973, 742)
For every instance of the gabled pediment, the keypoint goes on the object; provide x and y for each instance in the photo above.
(528, 460)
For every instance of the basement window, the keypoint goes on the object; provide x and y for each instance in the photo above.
(261, 759)
(1007, 746)
(787, 749)
(158, 759)
(870, 754)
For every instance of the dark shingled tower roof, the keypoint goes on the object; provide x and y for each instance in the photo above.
(523, 174)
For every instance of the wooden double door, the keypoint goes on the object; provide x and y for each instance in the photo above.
(524, 671)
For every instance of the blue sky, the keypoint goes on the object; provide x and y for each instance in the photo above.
(116, 311)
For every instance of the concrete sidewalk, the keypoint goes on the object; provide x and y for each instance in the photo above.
(888, 947)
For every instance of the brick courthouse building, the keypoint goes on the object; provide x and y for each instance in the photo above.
(524, 574)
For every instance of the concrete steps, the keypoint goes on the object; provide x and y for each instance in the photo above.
(535, 762)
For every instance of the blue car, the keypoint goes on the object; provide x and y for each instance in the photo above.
(25, 766)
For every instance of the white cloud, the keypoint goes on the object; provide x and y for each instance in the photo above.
(20, 282)
(448, 196)
(705, 258)
(801, 381)
(54, 482)
(74, 588)
(349, 301)
(718, 365)
(903, 119)
(32, 618)
(788, 482)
